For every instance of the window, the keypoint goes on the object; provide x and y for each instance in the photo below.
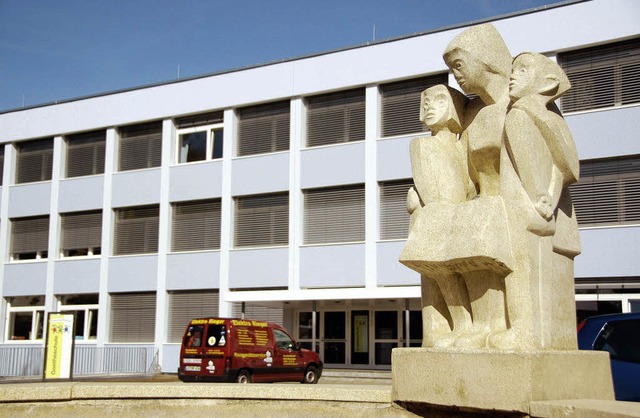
(401, 104)
(336, 118)
(85, 154)
(86, 309)
(29, 238)
(608, 192)
(196, 226)
(140, 146)
(34, 161)
(1, 163)
(199, 137)
(394, 219)
(334, 215)
(184, 306)
(263, 128)
(602, 76)
(81, 233)
(25, 315)
(136, 230)
(386, 335)
(283, 341)
(133, 318)
(621, 339)
(262, 220)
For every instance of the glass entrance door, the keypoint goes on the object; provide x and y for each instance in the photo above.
(359, 337)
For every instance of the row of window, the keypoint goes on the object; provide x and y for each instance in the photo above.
(608, 193)
(603, 76)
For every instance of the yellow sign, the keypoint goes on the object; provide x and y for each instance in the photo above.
(58, 362)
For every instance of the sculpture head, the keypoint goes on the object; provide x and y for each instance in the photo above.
(441, 107)
(534, 73)
(475, 56)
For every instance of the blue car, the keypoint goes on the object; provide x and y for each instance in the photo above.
(619, 334)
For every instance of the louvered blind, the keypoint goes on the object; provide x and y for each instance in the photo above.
(335, 118)
(394, 219)
(82, 230)
(608, 192)
(199, 120)
(602, 76)
(259, 313)
(136, 230)
(334, 215)
(34, 161)
(196, 225)
(29, 235)
(185, 306)
(263, 128)
(133, 317)
(140, 146)
(85, 154)
(262, 220)
(401, 105)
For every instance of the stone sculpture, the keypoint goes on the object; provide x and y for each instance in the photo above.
(493, 232)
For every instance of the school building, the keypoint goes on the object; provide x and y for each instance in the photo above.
(278, 192)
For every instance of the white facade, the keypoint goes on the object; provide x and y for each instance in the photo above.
(350, 283)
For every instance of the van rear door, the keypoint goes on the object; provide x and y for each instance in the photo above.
(215, 348)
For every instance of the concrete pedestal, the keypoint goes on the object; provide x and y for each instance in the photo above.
(497, 380)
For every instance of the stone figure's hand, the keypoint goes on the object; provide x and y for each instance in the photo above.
(413, 200)
(543, 206)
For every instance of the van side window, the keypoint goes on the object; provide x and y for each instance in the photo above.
(216, 336)
(193, 338)
(283, 341)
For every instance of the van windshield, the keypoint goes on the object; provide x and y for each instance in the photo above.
(193, 337)
(216, 336)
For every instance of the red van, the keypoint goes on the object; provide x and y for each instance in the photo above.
(244, 351)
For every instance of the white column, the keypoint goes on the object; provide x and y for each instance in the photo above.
(297, 136)
(110, 164)
(226, 221)
(372, 131)
(53, 249)
(164, 237)
(5, 230)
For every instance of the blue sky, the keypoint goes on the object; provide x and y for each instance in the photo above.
(56, 50)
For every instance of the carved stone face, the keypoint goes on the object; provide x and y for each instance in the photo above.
(436, 110)
(468, 71)
(523, 78)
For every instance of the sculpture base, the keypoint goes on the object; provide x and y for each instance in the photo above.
(497, 380)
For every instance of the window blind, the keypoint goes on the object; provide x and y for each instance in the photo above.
(185, 306)
(196, 225)
(199, 120)
(335, 118)
(258, 313)
(85, 154)
(602, 76)
(263, 128)
(608, 192)
(401, 104)
(262, 220)
(136, 230)
(334, 215)
(133, 317)
(394, 219)
(34, 161)
(81, 231)
(30, 235)
(140, 146)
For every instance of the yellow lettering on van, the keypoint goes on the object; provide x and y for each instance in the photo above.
(241, 322)
(216, 321)
(198, 321)
(259, 324)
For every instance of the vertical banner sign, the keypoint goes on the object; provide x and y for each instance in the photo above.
(58, 361)
(361, 334)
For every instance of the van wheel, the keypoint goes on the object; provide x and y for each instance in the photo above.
(243, 376)
(310, 375)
